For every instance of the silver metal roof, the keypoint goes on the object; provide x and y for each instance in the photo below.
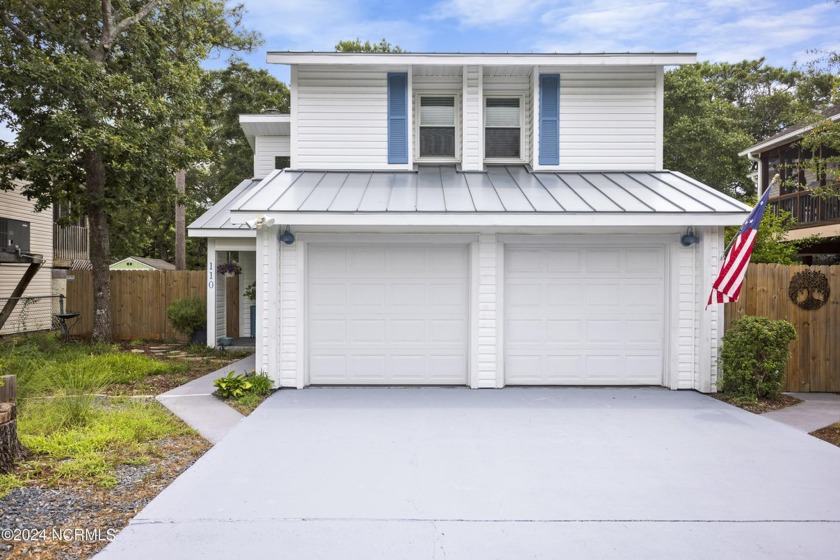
(497, 190)
(512, 191)
(218, 217)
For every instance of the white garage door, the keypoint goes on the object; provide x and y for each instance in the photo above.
(388, 314)
(584, 316)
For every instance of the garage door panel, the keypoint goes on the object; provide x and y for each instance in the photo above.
(640, 331)
(389, 316)
(366, 260)
(644, 261)
(562, 260)
(524, 293)
(603, 294)
(584, 315)
(603, 260)
(564, 331)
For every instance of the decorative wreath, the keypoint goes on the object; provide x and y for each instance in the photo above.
(816, 288)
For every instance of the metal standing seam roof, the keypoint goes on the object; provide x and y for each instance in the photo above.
(218, 217)
(443, 189)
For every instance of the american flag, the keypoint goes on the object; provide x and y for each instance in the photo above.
(727, 286)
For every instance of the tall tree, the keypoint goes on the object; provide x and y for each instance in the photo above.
(230, 92)
(382, 46)
(702, 135)
(715, 110)
(99, 94)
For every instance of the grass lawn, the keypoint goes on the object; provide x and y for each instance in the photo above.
(100, 447)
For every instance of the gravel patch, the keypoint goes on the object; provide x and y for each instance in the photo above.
(53, 517)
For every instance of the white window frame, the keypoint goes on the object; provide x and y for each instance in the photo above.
(522, 131)
(457, 100)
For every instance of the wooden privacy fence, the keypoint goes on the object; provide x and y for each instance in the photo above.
(815, 361)
(138, 301)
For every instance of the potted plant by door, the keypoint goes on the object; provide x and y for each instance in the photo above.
(189, 316)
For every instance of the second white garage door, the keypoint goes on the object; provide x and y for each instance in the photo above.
(584, 315)
(388, 314)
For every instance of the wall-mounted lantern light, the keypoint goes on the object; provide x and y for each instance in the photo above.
(287, 237)
(689, 238)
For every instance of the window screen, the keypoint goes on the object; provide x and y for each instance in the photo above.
(437, 127)
(282, 162)
(502, 128)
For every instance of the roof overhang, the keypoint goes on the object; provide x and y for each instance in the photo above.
(266, 124)
(786, 138)
(487, 59)
(472, 220)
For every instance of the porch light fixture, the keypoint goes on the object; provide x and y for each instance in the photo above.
(287, 237)
(689, 238)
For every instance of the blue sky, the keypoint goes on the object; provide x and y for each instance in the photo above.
(782, 31)
(720, 30)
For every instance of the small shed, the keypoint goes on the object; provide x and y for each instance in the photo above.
(142, 263)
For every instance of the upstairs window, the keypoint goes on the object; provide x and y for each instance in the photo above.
(502, 128)
(437, 127)
(282, 162)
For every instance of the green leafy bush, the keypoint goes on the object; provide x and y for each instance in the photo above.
(187, 314)
(261, 384)
(232, 386)
(754, 355)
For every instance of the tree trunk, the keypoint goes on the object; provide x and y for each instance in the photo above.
(11, 449)
(180, 222)
(100, 246)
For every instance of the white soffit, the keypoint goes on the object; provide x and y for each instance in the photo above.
(460, 59)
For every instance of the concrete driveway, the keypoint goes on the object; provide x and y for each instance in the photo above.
(517, 473)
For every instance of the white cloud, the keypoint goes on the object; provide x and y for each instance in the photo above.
(320, 24)
(482, 13)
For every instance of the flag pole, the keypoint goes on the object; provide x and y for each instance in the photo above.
(777, 180)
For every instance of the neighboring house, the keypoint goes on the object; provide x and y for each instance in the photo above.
(782, 154)
(25, 232)
(141, 263)
(473, 219)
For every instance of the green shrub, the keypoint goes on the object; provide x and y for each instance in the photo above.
(754, 355)
(261, 384)
(187, 314)
(232, 386)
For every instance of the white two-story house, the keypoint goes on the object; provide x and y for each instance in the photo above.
(483, 220)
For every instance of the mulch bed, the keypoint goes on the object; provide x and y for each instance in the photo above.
(831, 434)
(76, 521)
(761, 406)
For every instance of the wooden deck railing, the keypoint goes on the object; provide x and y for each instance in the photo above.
(70, 243)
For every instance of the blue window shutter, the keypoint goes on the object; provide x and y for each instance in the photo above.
(398, 117)
(549, 119)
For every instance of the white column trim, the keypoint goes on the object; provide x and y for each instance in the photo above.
(211, 292)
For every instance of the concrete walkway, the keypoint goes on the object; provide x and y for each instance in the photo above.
(817, 410)
(432, 473)
(195, 404)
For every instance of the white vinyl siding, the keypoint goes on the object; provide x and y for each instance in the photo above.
(608, 118)
(342, 118)
(15, 206)
(472, 88)
(266, 149)
(248, 262)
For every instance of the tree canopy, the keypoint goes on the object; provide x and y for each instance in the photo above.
(715, 110)
(382, 46)
(104, 100)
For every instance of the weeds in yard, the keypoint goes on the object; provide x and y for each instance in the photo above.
(9, 482)
(122, 433)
